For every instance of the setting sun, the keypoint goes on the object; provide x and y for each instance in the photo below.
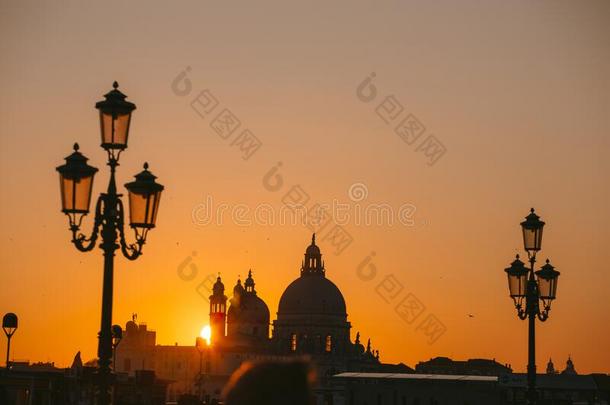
(206, 333)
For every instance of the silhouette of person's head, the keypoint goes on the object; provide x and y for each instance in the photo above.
(271, 383)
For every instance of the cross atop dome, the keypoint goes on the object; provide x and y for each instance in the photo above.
(238, 289)
(313, 264)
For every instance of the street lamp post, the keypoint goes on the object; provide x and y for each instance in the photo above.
(117, 336)
(533, 287)
(76, 184)
(9, 326)
(201, 344)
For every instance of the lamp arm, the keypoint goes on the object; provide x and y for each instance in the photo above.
(132, 250)
(544, 315)
(80, 241)
(521, 313)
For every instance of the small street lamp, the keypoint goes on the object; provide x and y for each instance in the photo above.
(117, 336)
(533, 287)
(9, 325)
(76, 185)
(202, 345)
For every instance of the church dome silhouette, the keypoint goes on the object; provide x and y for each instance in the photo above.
(312, 293)
(246, 306)
(131, 326)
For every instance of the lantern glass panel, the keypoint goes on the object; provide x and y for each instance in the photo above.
(115, 129)
(76, 194)
(547, 288)
(517, 285)
(532, 239)
(143, 209)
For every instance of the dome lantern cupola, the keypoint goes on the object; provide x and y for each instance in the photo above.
(250, 283)
(219, 287)
(238, 289)
(313, 263)
(248, 316)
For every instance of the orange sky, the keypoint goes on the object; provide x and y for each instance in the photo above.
(518, 93)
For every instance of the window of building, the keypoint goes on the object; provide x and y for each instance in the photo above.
(293, 342)
(329, 343)
(127, 365)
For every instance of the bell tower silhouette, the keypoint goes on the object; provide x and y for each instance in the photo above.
(218, 311)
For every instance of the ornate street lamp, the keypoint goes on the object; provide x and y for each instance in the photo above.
(76, 184)
(533, 287)
(9, 325)
(117, 336)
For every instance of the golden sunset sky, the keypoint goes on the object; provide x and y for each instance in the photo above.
(517, 92)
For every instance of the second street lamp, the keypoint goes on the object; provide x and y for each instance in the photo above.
(76, 183)
(9, 326)
(533, 287)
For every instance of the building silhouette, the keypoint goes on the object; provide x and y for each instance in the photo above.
(44, 383)
(439, 389)
(312, 321)
(471, 367)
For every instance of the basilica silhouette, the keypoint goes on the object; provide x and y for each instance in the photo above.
(311, 322)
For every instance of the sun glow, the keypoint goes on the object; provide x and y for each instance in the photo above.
(206, 333)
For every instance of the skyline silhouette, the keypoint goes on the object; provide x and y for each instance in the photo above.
(522, 113)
